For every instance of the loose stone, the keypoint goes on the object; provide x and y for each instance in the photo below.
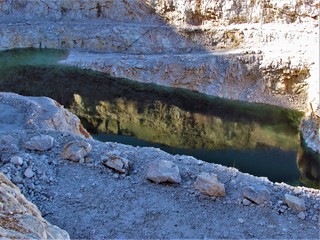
(207, 183)
(75, 151)
(28, 173)
(295, 203)
(246, 202)
(163, 171)
(302, 215)
(39, 143)
(257, 195)
(16, 160)
(116, 163)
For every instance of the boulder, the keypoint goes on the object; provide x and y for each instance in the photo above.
(294, 203)
(20, 219)
(76, 150)
(257, 194)
(116, 163)
(163, 171)
(39, 143)
(208, 184)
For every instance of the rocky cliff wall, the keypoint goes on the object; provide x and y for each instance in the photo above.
(257, 51)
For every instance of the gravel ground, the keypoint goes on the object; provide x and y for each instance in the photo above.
(91, 201)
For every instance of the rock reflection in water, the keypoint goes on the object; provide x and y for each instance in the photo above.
(160, 122)
(309, 167)
(172, 117)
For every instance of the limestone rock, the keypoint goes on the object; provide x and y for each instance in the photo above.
(39, 143)
(208, 184)
(257, 195)
(117, 163)
(20, 219)
(76, 150)
(16, 160)
(163, 171)
(301, 215)
(28, 173)
(295, 203)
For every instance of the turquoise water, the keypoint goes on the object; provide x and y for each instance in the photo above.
(258, 139)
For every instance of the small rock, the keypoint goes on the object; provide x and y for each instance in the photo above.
(163, 171)
(246, 202)
(241, 220)
(16, 160)
(28, 173)
(208, 184)
(39, 143)
(75, 151)
(257, 195)
(17, 179)
(314, 218)
(302, 215)
(295, 203)
(117, 163)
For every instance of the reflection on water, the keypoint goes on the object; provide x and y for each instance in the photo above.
(255, 138)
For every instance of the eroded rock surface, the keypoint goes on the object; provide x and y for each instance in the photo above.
(20, 219)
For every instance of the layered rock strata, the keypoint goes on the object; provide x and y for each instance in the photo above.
(20, 219)
(259, 51)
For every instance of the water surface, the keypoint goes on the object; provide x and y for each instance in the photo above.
(258, 139)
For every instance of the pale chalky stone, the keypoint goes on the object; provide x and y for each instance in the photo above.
(16, 160)
(294, 203)
(76, 151)
(257, 194)
(163, 171)
(39, 143)
(207, 183)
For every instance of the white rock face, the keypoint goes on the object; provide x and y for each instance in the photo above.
(208, 184)
(20, 219)
(163, 171)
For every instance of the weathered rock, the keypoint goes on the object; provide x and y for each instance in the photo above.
(39, 143)
(116, 163)
(301, 215)
(294, 203)
(28, 173)
(257, 194)
(208, 184)
(246, 202)
(76, 151)
(163, 171)
(20, 219)
(16, 160)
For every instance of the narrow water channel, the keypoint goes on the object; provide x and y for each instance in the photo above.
(258, 139)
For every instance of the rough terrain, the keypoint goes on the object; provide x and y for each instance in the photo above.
(257, 51)
(91, 201)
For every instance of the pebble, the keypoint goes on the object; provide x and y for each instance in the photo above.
(302, 215)
(241, 220)
(16, 160)
(246, 202)
(314, 218)
(28, 173)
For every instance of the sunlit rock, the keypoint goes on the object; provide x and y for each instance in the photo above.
(207, 183)
(116, 163)
(295, 203)
(76, 151)
(257, 194)
(20, 219)
(39, 143)
(163, 171)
